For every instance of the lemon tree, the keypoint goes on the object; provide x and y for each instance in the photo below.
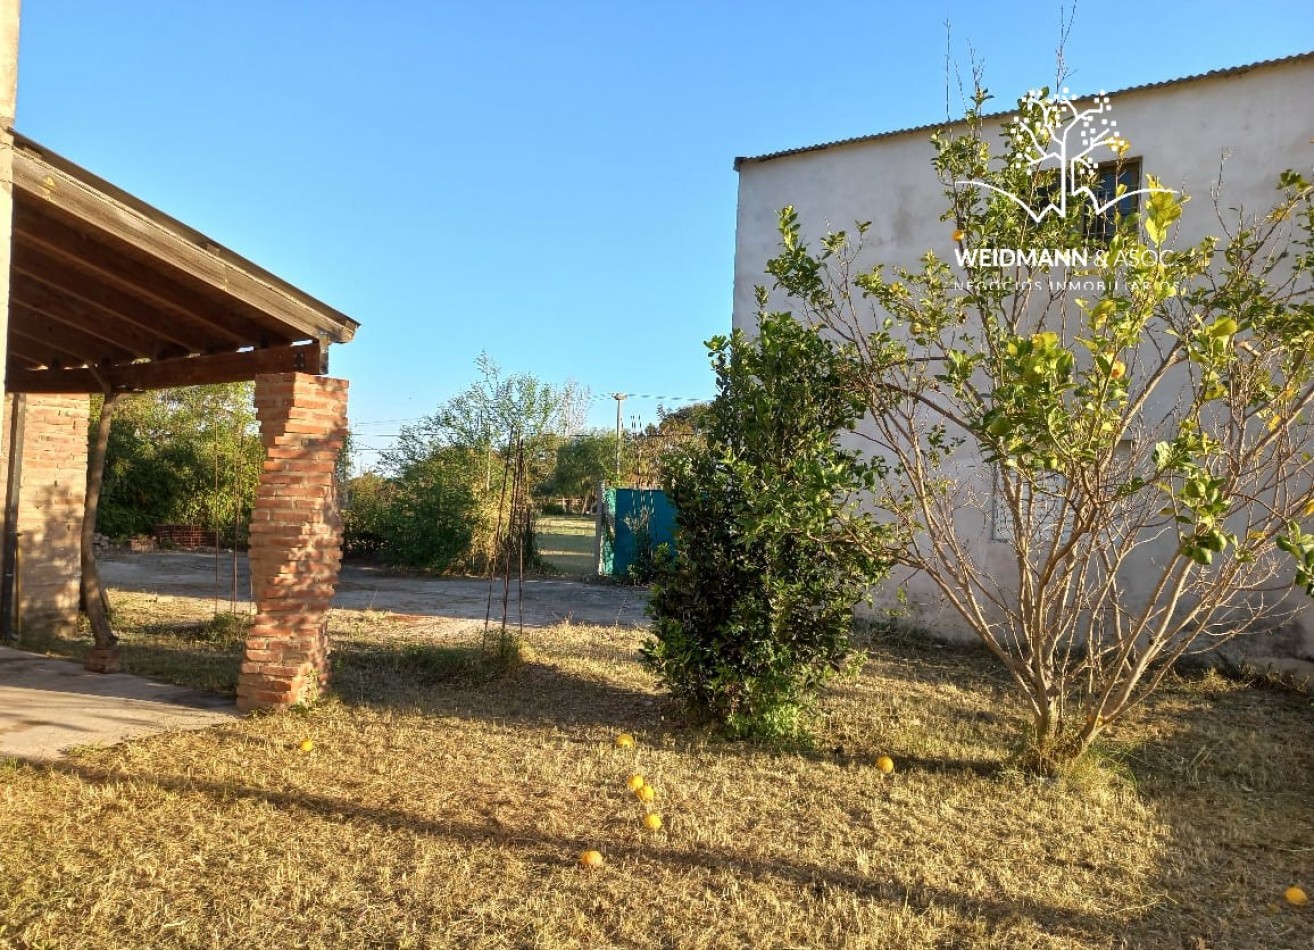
(1147, 443)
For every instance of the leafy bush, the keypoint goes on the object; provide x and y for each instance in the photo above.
(753, 612)
(438, 518)
(181, 456)
(440, 514)
(364, 515)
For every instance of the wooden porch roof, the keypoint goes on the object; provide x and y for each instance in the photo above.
(107, 291)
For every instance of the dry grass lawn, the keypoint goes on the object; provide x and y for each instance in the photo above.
(445, 807)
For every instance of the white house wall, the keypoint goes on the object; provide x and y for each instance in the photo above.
(1261, 119)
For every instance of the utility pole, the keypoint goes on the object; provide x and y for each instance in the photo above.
(620, 398)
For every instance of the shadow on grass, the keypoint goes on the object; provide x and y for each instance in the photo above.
(461, 682)
(916, 657)
(1229, 770)
(552, 851)
(437, 679)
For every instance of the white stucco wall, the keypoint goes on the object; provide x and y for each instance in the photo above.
(1262, 118)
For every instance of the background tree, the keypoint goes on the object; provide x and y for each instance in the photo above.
(1153, 435)
(644, 451)
(446, 472)
(583, 462)
(754, 611)
(438, 515)
(368, 498)
(181, 456)
(491, 415)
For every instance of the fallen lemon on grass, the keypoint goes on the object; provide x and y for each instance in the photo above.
(590, 859)
(306, 745)
(1295, 896)
(636, 782)
(653, 822)
(645, 793)
(624, 740)
(885, 764)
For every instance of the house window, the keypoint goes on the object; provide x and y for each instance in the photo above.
(1109, 176)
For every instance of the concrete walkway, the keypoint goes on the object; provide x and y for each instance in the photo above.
(48, 705)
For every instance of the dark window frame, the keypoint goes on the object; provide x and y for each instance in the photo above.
(1124, 171)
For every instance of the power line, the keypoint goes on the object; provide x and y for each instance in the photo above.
(599, 397)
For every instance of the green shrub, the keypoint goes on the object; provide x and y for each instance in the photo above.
(181, 456)
(753, 612)
(442, 514)
(364, 515)
(437, 513)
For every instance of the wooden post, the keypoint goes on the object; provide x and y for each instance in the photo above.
(8, 107)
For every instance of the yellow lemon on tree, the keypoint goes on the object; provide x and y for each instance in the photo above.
(1295, 896)
(590, 859)
(636, 782)
(624, 740)
(645, 793)
(653, 822)
(959, 234)
(306, 745)
(885, 764)
(1118, 370)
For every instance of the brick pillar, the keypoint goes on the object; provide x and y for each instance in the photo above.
(51, 499)
(296, 537)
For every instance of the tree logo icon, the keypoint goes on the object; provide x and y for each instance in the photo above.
(1054, 133)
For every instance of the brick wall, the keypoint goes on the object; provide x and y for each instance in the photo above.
(296, 537)
(51, 499)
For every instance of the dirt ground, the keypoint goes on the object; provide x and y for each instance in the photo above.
(546, 601)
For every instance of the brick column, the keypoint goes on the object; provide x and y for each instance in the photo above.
(296, 538)
(51, 499)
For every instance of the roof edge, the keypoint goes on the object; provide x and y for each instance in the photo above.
(185, 232)
(949, 123)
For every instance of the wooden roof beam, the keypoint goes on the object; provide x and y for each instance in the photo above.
(94, 263)
(56, 336)
(170, 374)
(36, 352)
(131, 334)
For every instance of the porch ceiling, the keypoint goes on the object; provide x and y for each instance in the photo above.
(108, 291)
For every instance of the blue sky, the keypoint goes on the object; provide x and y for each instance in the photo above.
(551, 183)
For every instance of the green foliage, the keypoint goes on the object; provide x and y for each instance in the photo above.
(181, 456)
(438, 507)
(365, 514)
(491, 415)
(1167, 410)
(753, 613)
(649, 558)
(644, 452)
(590, 458)
(437, 515)
(583, 462)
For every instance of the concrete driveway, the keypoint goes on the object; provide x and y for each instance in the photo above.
(546, 601)
(48, 705)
